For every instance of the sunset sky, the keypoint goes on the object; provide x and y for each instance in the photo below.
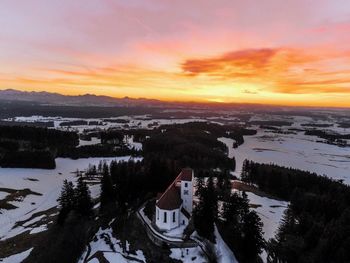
(294, 52)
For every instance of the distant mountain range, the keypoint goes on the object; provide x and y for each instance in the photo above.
(56, 99)
(48, 98)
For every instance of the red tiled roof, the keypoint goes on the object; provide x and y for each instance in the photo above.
(170, 199)
(159, 195)
(186, 174)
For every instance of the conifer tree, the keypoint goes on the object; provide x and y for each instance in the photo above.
(253, 240)
(199, 186)
(245, 174)
(66, 200)
(107, 189)
(205, 212)
(83, 202)
(243, 228)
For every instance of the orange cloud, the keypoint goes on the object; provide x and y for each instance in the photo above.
(289, 76)
(240, 63)
(283, 70)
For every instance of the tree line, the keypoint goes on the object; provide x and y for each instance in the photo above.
(33, 147)
(316, 225)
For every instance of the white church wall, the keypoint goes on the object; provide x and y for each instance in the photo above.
(187, 195)
(167, 219)
(183, 219)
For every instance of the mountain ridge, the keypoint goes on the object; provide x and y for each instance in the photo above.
(57, 99)
(52, 98)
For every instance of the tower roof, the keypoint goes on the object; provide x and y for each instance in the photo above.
(186, 174)
(171, 198)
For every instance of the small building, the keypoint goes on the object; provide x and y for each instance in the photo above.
(174, 206)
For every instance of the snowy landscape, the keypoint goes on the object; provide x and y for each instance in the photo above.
(150, 131)
(35, 207)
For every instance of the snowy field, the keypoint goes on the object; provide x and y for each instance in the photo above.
(270, 211)
(297, 151)
(291, 150)
(106, 246)
(45, 187)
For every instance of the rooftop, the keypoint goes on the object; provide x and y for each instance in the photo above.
(171, 198)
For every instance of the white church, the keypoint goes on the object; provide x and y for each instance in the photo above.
(174, 206)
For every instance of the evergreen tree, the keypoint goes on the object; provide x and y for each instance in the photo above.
(253, 240)
(100, 166)
(226, 187)
(83, 202)
(245, 173)
(205, 212)
(66, 200)
(232, 210)
(212, 199)
(242, 228)
(199, 186)
(107, 189)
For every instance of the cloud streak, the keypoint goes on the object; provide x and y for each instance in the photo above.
(284, 70)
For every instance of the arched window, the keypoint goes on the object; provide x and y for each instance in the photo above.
(174, 219)
(165, 219)
(157, 214)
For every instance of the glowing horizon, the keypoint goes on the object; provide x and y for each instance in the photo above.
(293, 53)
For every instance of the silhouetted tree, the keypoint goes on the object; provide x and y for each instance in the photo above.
(83, 202)
(66, 201)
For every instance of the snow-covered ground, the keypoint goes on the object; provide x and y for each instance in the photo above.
(132, 144)
(93, 141)
(17, 258)
(47, 183)
(223, 252)
(194, 255)
(111, 249)
(270, 211)
(293, 150)
(176, 232)
(229, 143)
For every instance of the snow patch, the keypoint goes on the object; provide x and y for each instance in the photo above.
(112, 249)
(17, 258)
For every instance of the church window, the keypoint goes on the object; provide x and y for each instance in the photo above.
(174, 217)
(165, 219)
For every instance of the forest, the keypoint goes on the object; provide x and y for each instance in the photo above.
(327, 135)
(316, 225)
(195, 145)
(127, 185)
(33, 147)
